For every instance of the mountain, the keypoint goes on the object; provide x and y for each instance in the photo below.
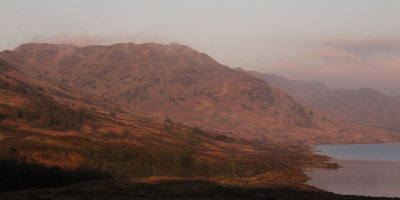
(364, 106)
(53, 135)
(176, 82)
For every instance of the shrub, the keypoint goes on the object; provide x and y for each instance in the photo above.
(168, 120)
(168, 124)
(111, 135)
(4, 85)
(198, 131)
(126, 134)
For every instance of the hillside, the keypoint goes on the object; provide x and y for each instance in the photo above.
(63, 138)
(184, 85)
(363, 106)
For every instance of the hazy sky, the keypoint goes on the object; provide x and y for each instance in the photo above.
(343, 43)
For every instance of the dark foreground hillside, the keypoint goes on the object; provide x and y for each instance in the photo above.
(112, 189)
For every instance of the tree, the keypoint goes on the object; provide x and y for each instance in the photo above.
(110, 135)
(126, 134)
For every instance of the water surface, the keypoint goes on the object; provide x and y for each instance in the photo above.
(371, 152)
(367, 169)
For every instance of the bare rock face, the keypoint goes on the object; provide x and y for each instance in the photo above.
(178, 82)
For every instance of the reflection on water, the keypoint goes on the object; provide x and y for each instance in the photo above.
(370, 178)
(373, 171)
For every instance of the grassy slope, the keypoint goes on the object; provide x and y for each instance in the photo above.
(106, 140)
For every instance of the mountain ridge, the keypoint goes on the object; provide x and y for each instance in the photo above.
(363, 106)
(180, 83)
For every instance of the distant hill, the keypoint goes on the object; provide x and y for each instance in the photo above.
(364, 106)
(184, 85)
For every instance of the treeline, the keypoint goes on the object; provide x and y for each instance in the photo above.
(124, 161)
(44, 112)
(18, 87)
(111, 135)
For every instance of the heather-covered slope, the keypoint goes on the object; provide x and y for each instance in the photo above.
(42, 129)
(178, 82)
(363, 106)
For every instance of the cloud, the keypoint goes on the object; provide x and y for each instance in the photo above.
(78, 40)
(364, 46)
(349, 63)
(335, 56)
(84, 39)
(392, 64)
